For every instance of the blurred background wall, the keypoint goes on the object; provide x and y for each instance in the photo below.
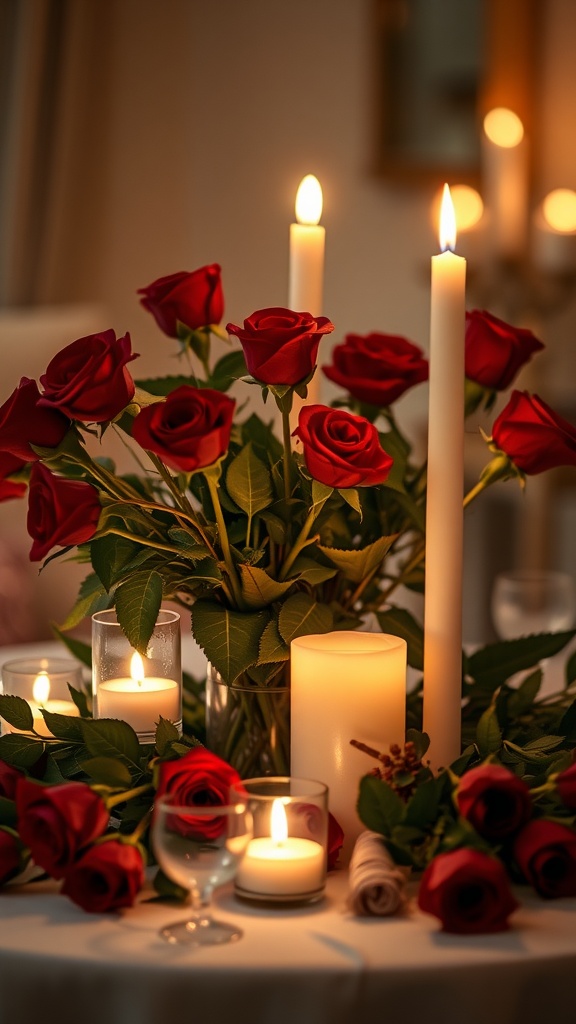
(174, 134)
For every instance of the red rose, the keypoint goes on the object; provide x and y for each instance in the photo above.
(546, 855)
(60, 512)
(195, 300)
(190, 430)
(10, 464)
(494, 800)
(107, 876)
(566, 786)
(335, 840)
(199, 779)
(10, 856)
(495, 351)
(468, 892)
(341, 450)
(280, 346)
(57, 822)
(9, 779)
(23, 421)
(377, 368)
(88, 380)
(533, 436)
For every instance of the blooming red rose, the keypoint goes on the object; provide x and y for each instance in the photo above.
(60, 511)
(566, 786)
(23, 421)
(494, 800)
(10, 464)
(280, 346)
(88, 380)
(199, 779)
(495, 351)
(377, 368)
(9, 778)
(190, 430)
(10, 855)
(533, 436)
(107, 876)
(468, 892)
(546, 855)
(195, 300)
(57, 822)
(340, 449)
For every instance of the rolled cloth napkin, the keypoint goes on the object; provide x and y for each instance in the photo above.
(377, 886)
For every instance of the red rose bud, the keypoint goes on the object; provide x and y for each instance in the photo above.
(10, 464)
(533, 436)
(340, 449)
(106, 877)
(280, 346)
(495, 351)
(88, 380)
(377, 368)
(60, 512)
(24, 421)
(200, 779)
(57, 822)
(468, 892)
(546, 855)
(190, 430)
(494, 800)
(566, 787)
(195, 300)
(10, 856)
(9, 779)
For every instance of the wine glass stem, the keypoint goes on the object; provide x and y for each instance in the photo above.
(201, 900)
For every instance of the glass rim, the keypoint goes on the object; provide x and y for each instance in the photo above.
(164, 802)
(108, 617)
(304, 787)
(54, 665)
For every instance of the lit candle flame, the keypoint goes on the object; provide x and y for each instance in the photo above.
(309, 201)
(137, 668)
(278, 822)
(41, 688)
(447, 222)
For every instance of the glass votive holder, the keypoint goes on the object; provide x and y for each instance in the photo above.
(43, 683)
(286, 860)
(131, 688)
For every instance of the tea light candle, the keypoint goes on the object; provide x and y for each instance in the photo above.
(281, 865)
(41, 694)
(139, 700)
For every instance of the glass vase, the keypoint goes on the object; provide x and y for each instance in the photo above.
(248, 725)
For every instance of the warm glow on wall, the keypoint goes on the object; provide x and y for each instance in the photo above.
(559, 209)
(503, 127)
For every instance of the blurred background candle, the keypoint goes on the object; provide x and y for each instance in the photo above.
(444, 513)
(345, 686)
(555, 232)
(505, 171)
(43, 683)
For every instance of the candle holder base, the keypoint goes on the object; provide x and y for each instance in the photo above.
(267, 900)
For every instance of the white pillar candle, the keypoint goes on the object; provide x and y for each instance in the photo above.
(281, 866)
(306, 281)
(444, 510)
(505, 170)
(345, 686)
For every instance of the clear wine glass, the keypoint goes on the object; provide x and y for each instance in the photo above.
(532, 601)
(200, 849)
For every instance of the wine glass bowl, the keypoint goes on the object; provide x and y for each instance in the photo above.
(200, 849)
(532, 601)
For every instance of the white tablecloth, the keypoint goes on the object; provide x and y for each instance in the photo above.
(317, 965)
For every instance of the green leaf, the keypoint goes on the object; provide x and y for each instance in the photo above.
(81, 651)
(422, 808)
(160, 386)
(20, 751)
(568, 721)
(16, 711)
(207, 570)
(352, 498)
(8, 815)
(358, 563)
(488, 735)
(301, 615)
(110, 555)
(138, 602)
(80, 699)
(570, 669)
(311, 572)
(166, 734)
(521, 700)
(258, 588)
(107, 737)
(187, 543)
(400, 622)
(108, 771)
(320, 495)
(228, 369)
(272, 646)
(229, 639)
(63, 727)
(379, 807)
(493, 664)
(421, 741)
(249, 483)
